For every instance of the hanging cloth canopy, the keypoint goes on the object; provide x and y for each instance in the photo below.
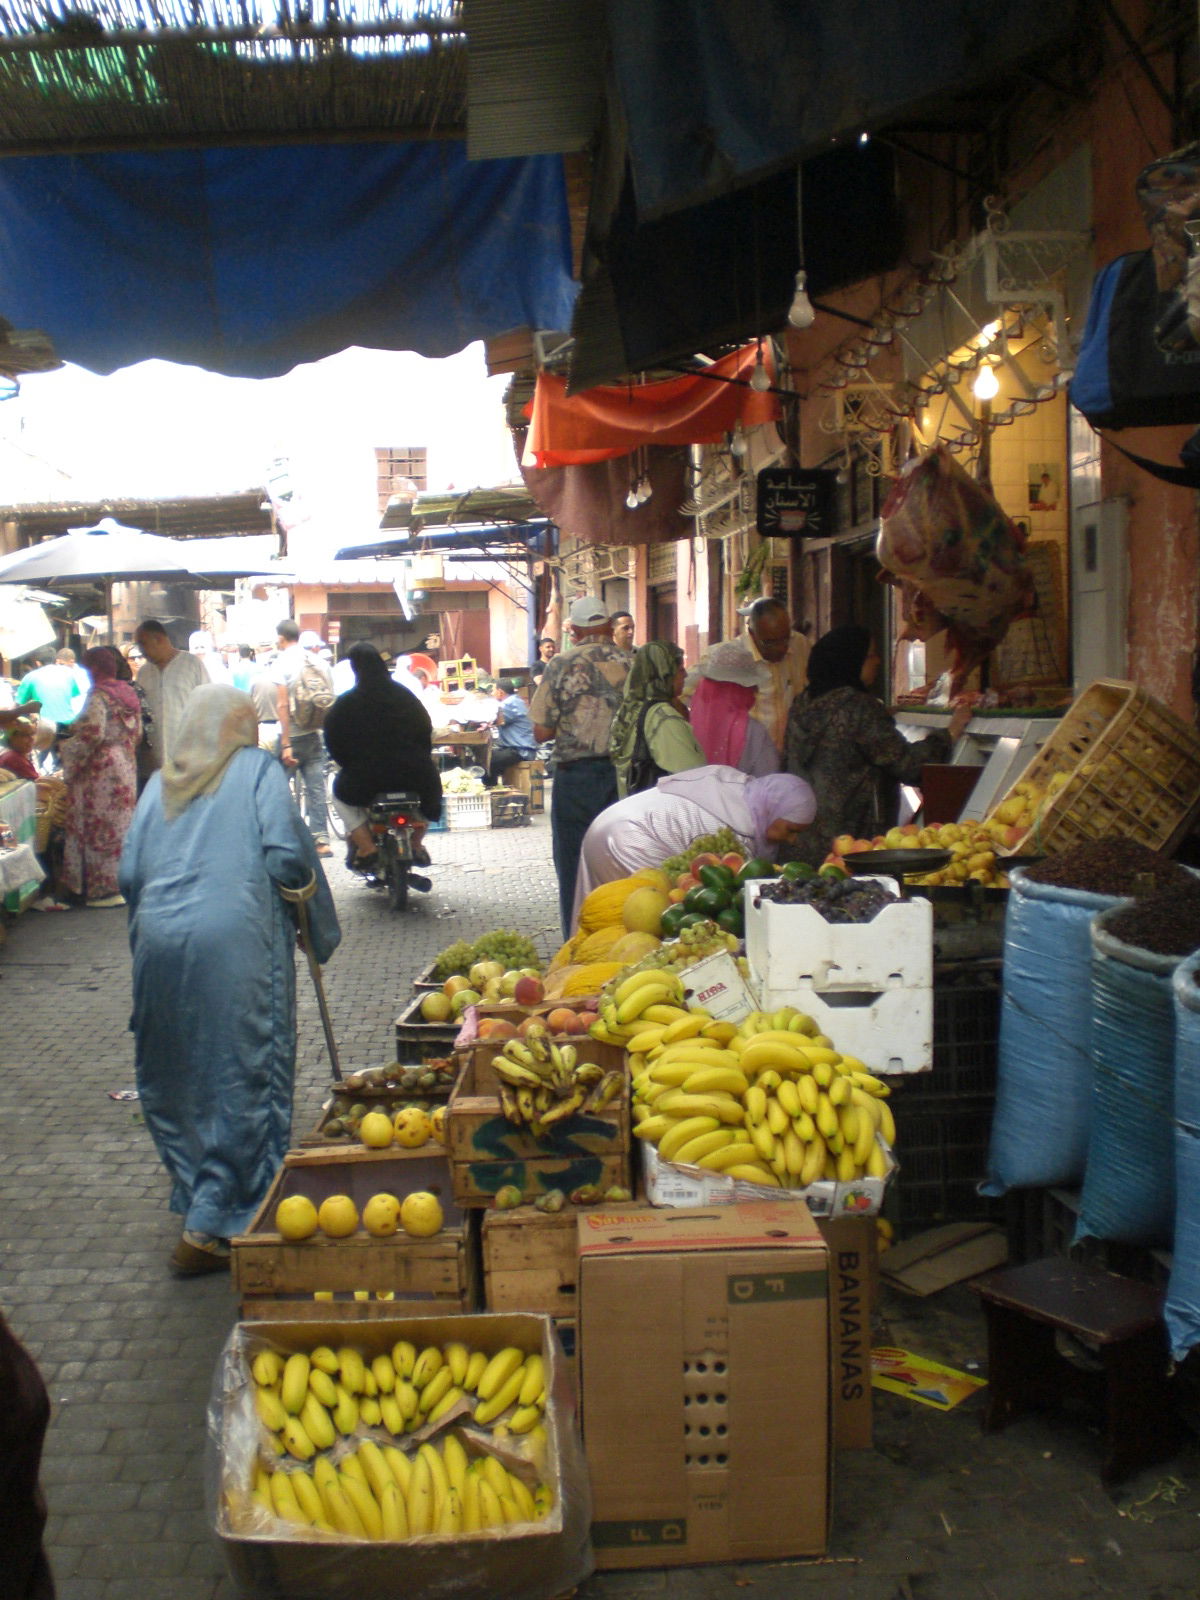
(612, 420)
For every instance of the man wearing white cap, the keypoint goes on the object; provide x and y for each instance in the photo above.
(574, 705)
(770, 642)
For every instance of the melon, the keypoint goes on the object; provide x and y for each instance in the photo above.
(633, 947)
(643, 911)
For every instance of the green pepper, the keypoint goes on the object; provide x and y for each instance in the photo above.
(793, 870)
(720, 878)
(707, 901)
(758, 868)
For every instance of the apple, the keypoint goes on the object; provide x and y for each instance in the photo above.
(704, 859)
(483, 970)
(563, 1020)
(844, 843)
(533, 1028)
(733, 861)
(462, 998)
(436, 1007)
(529, 991)
(686, 881)
(508, 983)
(452, 985)
(894, 838)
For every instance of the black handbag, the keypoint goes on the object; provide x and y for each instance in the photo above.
(644, 771)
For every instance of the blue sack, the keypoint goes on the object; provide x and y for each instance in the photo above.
(1044, 1072)
(1129, 1186)
(1182, 1310)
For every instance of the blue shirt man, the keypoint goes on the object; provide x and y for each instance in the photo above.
(513, 740)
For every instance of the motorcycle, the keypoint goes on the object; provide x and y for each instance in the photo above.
(390, 818)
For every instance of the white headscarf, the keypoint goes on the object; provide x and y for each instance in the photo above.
(217, 721)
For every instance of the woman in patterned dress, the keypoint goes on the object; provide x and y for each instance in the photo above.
(100, 766)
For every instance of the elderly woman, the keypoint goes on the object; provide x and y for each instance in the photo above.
(100, 767)
(650, 733)
(767, 814)
(216, 836)
(721, 709)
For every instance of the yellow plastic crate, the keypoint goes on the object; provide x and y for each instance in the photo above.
(1132, 771)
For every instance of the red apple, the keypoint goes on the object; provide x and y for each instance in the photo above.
(843, 843)
(685, 881)
(529, 991)
(733, 861)
(705, 859)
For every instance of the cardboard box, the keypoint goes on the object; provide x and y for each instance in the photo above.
(536, 1561)
(487, 1151)
(716, 984)
(666, 1183)
(278, 1277)
(704, 1350)
(531, 1257)
(852, 1295)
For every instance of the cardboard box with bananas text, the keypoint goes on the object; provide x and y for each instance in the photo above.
(269, 1557)
(704, 1367)
(852, 1293)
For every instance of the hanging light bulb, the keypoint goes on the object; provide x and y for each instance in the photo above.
(801, 313)
(738, 443)
(644, 491)
(760, 380)
(631, 499)
(987, 385)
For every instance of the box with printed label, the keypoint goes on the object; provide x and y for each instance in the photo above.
(716, 984)
(667, 1183)
(704, 1366)
(852, 1267)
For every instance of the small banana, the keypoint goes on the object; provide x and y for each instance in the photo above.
(419, 1499)
(391, 1415)
(360, 1497)
(296, 1440)
(270, 1410)
(294, 1385)
(777, 1118)
(682, 1132)
(788, 1096)
(345, 1412)
(490, 1514)
(509, 1106)
(475, 1370)
(426, 1364)
(267, 1368)
(375, 1466)
(500, 1400)
(498, 1371)
(519, 1492)
(283, 1498)
(739, 1154)
(607, 1090)
(705, 1144)
(726, 1080)
(455, 1458)
(524, 1419)
(351, 1369)
(470, 1503)
(384, 1373)
(399, 1466)
(664, 1013)
(445, 1403)
(308, 1496)
(317, 1423)
(370, 1411)
(754, 1174)
(534, 1381)
(393, 1513)
(324, 1359)
(323, 1386)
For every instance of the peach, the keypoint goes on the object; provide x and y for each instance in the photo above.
(843, 843)
(497, 1028)
(586, 1019)
(734, 861)
(563, 1020)
(533, 1028)
(529, 992)
(705, 859)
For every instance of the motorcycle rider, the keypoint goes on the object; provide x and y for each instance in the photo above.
(380, 736)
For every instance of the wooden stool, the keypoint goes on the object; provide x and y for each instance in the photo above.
(1117, 1319)
(518, 776)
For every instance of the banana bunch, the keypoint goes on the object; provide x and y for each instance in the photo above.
(651, 1002)
(769, 1101)
(306, 1400)
(375, 1492)
(543, 1083)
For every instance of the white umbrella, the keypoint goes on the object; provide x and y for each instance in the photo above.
(111, 553)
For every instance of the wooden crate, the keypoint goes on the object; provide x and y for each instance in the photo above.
(315, 1148)
(418, 1040)
(437, 1273)
(531, 1258)
(487, 1152)
(609, 1056)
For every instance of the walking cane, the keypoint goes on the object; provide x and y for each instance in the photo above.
(300, 898)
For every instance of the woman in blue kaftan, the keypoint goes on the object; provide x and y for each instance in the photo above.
(215, 835)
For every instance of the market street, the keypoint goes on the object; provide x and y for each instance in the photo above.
(936, 1511)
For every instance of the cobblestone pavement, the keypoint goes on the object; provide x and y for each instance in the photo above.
(935, 1511)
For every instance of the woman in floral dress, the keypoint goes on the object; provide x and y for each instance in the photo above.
(100, 766)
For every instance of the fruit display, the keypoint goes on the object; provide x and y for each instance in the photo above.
(511, 950)
(543, 1083)
(722, 843)
(457, 780)
(972, 845)
(366, 1448)
(418, 1214)
(768, 1102)
(346, 1114)
(837, 899)
(425, 1079)
(711, 888)
(510, 1198)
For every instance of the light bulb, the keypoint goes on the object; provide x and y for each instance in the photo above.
(801, 313)
(987, 385)
(737, 442)
(760, 382)
(631, 500)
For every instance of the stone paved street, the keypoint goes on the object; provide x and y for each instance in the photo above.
(935, 1512)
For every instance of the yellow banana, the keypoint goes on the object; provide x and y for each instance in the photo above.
(814, 1162)
(764, 1052)
(296, 1441)
(404, 1358)
(847, 1167)
(804, 1127)
(826, 1118)
(318, 1424)
(887, 1122)
(350, 1369)
(664, 1013)
(384, 1374)
(324, 1476)
(370, 1411)
(877, 1162)
(688, 1027)
(490, 1514)
(450, 1515)
(390, 1414)
(393, 1513)
(345, 1412)
(534, 1382)
(543, 1501)
(763, 1141)
(455, 1458)
(365, 1504)
(793, 1155)
(426, 1364)
(493, 1472)
(671, 1074)
(754, 1174)
(470, 1503)
(652, 1128)
(308, 1496)
(789, 1097)
(447, 1403)
(630, 1009)
(727, 1080)
(820, 1055)
(678, 1103)
(741, 1153)
(704, 1144)
(839, 1090)
(649, 976)
(267, 1368)
(498, 1371)
(438, 1476)
(510, 1510)
(769, 1080)
(270, 1410)
(375, 1466)
(823, 1073)
(500, 1401)
(865, 1142)
(369, 1386)
(648, 1039)
(283, 1498)
(721, 1032)
(755, 1102)
(342, 1513)
(519, 1492)
(848, 1124)
(323, 1386)
(399, 1466)
(834, 1143)
(524, 1419)
(419, 1499)
(294, 1385)
(809, 1093)
(777, 1118)
(701, 1052)
(639, 1113)
(437, 1386)
(869, 1082)
(687, 1128)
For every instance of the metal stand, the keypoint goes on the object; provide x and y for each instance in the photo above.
(300, 898)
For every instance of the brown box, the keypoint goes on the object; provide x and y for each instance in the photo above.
(533, 1562)
(437, 1274)
(531, 1258)
(852, 1290)
(609, 1056)
(704, 1366)
(487, 1151)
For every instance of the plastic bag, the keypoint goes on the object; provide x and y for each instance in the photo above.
(1044, 1080)
(1129, 1186)
(958, 557)
(1182, 1310)
(270, 1559)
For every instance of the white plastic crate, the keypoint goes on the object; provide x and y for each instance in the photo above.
(869, 985)
(467, 811)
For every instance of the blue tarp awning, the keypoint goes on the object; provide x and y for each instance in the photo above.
(248, 261)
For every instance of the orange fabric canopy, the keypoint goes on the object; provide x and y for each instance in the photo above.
(614, 420)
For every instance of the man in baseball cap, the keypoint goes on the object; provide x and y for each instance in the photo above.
(574, 705)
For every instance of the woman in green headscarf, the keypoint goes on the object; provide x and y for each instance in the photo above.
(650, 732)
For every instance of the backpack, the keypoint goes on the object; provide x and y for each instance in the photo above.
(310, 697)
(644, 771)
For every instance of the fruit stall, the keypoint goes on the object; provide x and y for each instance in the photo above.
(601, 1188)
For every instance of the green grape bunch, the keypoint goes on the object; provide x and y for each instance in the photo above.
(722, 843)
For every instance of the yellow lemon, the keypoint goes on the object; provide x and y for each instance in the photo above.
(338, 1216)
(375, 1130)
(381, 1215)
(421, 1214)
(438, 1123)
(296, 1217)
(411, 1127)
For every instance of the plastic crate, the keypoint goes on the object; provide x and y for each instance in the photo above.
(966, 1033)
(463, 811)
(510, 809)
(1133, 771)
(941, 1150)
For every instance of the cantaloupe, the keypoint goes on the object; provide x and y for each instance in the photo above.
(654, 878)
(633, 947)
(602, 908)
(591, 977)
(643, 911)
(596, 946)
